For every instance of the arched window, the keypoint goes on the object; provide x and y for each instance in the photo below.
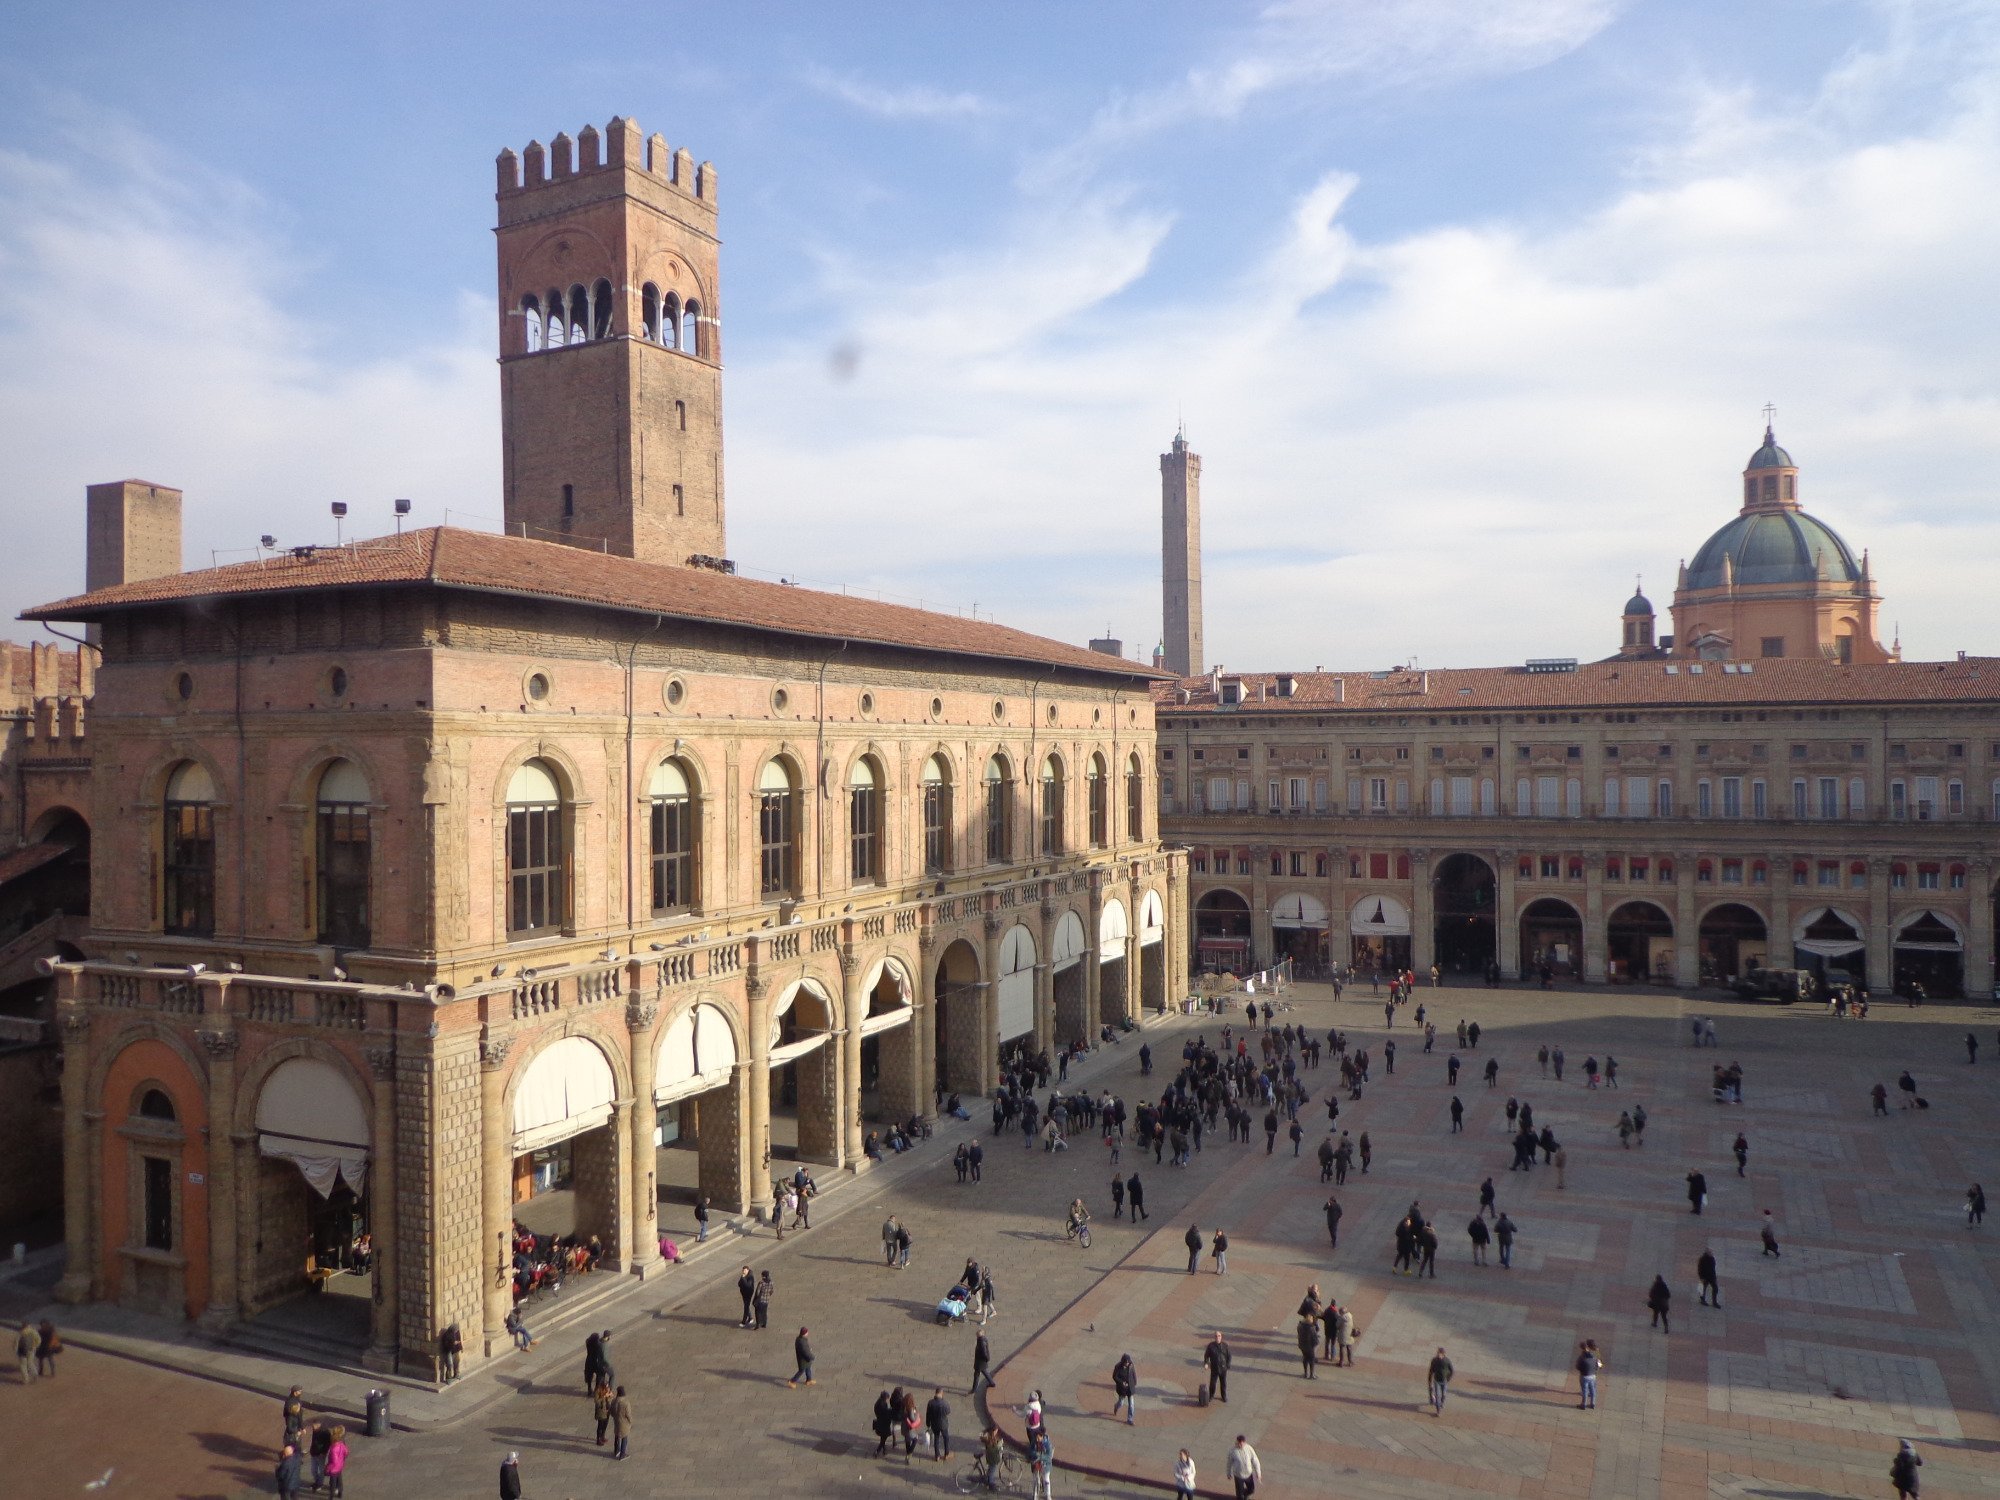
(600, 310)
(531, 323)
(188, 856)
(649, 311)
(1135, 801)
(340, 863)
(579, 315)
(681, 415)
(936, 782)
(1097, 789)
(676, 831)
(537, 892)
(670, 321)
(691, 327)
(555, 327)
(1052, 806)
(776, 822)
(154, 1104)
(999, 812)
(864, 823)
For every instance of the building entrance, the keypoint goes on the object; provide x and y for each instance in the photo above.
(1463, 890)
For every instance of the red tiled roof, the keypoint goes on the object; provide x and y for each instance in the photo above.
(446, 557)
(1602, 684)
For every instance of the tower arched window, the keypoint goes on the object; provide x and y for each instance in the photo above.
(1052, 806)
(649, 311)
(670, 321)
(676, 835)
(999, 812)
(537, 864)
(1135, 800)
(691, 327)
(188, 853)
(936, 784)
(579, 314)
(340, 858)
(864, 822)
(1097, 787)
(777, 835)
(531, 323)
(601, 308)
(555, 326)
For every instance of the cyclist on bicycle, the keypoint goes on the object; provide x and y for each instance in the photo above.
(1078, 1217)
(991, 1447)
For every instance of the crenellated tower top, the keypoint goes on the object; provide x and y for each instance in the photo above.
(590, 152)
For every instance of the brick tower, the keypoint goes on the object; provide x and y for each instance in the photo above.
(611, 346)
(1180, 556)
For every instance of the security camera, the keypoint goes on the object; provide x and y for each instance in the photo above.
(339, 973)
(194, 969)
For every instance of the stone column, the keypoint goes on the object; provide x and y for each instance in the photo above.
(989, 1004)
(1339, 940)
(1596, 958)
(1262, 940)
(1506, 920)
(1045, 981)
(758, 1088)
(221, 1309)
(1881, 949)
(1093, 976)
(79, 1277)
(1979, 983)
(1179, 939)
(249, 1169)
(1778, 932)
(384, 1325)
(645, 1259)
(1687, 932)
(496, 1197)
(1423, 912)
(924, 1043)
(853, 1010)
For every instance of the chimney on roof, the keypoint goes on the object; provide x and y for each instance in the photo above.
(1340, 690)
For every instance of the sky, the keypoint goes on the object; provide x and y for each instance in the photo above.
(1470, 310)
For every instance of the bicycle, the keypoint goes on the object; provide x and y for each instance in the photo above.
(1078, 1232)
(972, 1478)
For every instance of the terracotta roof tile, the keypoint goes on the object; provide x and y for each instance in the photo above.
(1606, 684)
(446, 557)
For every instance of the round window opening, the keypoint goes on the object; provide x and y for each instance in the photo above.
(184, 686)
(538, 686)
(336, 682)
(868, 703)
(1097, 716)
(999, 708)
(1052, 713)
(937, 708)
(676, 692)
(780, 699)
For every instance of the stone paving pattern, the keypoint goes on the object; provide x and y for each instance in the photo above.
(1877, 1322)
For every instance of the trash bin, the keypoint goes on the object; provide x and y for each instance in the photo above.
(378, 1414)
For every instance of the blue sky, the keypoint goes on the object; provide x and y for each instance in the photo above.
(1470, 310)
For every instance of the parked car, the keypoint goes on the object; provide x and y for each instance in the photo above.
(1781, 985)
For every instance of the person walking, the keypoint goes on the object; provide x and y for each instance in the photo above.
(336, 1464)
(1244, 1468)
(1503, 1238)
(1307, 1334)
(1903, 1470)
(1216, 1357)
(621, 1424)
(510, 1477)
(1770, 1234)
(982, 1363)
(48, 1344)
(451, 1343)
(1117, 1196)
(1427, 1245)
(1325, 1154)
(318, 1445)
(1975, 1206)
(1042, 1464)
(1135, 1194)
(760, 1301)
(1457, 1114)
(937, 1425)
(911, 1422)
(1219, 1249)
(1125, 1387)
(802, 1352)
(989, 1301)
(1704, 1272)
(1451, 1066)
(887, 1407)
(746, 1288)
(1487, 1196)
(1697, 1190)
(1367, 1152)
(1493, 1072)
(1561, 1159)
(600, 1408)
(25, 1343)
(1184, 1476)
(1556, 1060)
(1439, 1380)
(902, 1247)
(1192, 1239)
(1660, 1298)
(1480, 1239)
(1588, 1364)
(1742, 1150)
(1333, 1212)
(1343, 1337)
(1971, 1048)
(888, 1242)
(286, 1476)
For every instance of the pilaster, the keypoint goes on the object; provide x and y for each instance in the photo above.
(640, 1016)
(1596, 957)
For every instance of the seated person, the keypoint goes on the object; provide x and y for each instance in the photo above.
(872, 1147)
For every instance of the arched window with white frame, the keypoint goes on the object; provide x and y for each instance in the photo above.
(1052, 805)
(935, 782)
(531, 323)
(777, 831)
(675, 827)
(537, 859)
(864, 822)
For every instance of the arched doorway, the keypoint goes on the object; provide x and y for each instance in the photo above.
(566, 1149)
(1463, 890)
(1930, 953)
(1153, 952)
(805, 1103)
(311, 1197)
(1733, 939)
(1222, 932)
(889, 1088)
(1639, 944)
(1551, 939)
(1067, 981)
(1378, 930)
(694, 1105)
(1015, 986)
(1298, 930)
(1827, 943)
(1114, 985)
(956, 1018)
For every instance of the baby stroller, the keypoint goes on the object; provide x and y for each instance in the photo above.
(952, 1308)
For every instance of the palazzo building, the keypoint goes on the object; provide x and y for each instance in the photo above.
(453, 865)
(1768, 786)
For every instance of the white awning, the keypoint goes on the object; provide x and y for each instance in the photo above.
(1112, 931)
(1379, 916)
(697, 1053)
(1015, 1007)
(1152, 920)
(1069, 942)
(900, 1016)
(1297, 909)
(567, 1090)
(309, 1114)
(1832, 946)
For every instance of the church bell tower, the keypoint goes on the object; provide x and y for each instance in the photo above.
(611, 346)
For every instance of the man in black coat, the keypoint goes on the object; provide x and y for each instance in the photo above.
(1192, 1239)
(982, 1363)
(1135, 1193)
(1333, 1212)
(937, 1422)
(1216, 1358)
(510, 1477)
(1697, 1190)
(746, 1288)
(1711, 1289)
(287, 1475)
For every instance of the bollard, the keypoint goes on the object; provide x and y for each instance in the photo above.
(378, 1414)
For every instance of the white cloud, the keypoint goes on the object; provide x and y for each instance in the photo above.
(909, 102)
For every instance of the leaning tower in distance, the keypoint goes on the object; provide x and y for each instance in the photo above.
(611, 346)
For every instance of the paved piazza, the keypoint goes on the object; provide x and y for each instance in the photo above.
(1878, 1321)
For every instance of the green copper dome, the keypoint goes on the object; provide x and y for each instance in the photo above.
(1784, 546)
(1638, 604)
(1770, 456)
